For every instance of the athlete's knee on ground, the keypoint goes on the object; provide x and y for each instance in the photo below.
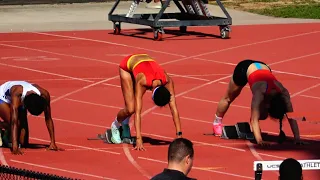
(5, 112)
(129, 110)
(4, 125)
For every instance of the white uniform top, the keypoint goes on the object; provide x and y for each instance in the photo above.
(5, 90)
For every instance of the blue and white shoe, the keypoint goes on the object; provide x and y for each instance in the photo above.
(116, 139)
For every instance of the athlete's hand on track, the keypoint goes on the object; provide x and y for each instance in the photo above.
(16, 151)
(299, 142)
(263, 143)
(53, 147)
(139, 145)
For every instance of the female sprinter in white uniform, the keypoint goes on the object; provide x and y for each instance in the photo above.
(16, 98)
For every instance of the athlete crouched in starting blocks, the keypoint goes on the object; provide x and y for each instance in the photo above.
(270, 97)
(16, 98)
(139, 73)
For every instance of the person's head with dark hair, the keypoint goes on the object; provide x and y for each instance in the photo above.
(290, 169)
(180, 160)
(34, 103)
(161, 96)
(277, 106)
(180, 155)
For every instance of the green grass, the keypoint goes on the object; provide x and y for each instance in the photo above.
(304, 9)
(310, 11)
(30, 2)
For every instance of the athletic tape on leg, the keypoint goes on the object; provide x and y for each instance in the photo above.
(274, 165)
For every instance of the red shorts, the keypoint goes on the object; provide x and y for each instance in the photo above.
(123, 63)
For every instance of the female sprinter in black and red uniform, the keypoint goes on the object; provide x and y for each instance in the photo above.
(139, 73)
(270, 97)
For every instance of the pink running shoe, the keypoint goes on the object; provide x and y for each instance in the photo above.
(217, 129)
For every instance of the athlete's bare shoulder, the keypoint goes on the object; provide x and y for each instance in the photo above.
(45, 93)
(280, 85)
(16, 90)
(141, 79)
(259, 86)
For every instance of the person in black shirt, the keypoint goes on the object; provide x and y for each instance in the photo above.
(180, 161)
(290, 169)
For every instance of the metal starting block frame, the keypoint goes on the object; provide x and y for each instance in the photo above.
(194, 13)
(239, 131)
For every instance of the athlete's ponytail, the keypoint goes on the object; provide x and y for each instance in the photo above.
(282, 136)
(277, 110)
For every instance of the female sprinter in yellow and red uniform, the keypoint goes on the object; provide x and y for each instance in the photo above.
(270, 97)
(139, 73)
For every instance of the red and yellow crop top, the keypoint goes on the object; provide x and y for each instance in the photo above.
(149, 67)
(266, 76)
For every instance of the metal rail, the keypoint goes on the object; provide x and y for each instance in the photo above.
(192, 13)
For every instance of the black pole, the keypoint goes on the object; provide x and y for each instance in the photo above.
(258, 172)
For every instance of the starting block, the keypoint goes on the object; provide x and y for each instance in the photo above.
(239, 131)
(106, 137)
(125, 140)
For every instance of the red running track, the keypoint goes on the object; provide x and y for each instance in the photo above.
(79, 68)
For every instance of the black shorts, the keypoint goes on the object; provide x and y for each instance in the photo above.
(240, 72)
